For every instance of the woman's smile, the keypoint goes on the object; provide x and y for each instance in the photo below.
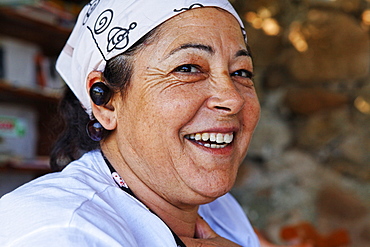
(211, 140)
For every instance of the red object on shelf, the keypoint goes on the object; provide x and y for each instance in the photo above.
(306, 233)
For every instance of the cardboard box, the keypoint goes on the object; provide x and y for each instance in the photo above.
(17, 61)
(18, 131)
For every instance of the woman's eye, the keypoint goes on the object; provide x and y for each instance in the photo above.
(243, 73)
(187, 68)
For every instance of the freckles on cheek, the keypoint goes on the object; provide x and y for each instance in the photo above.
(190, 103)
(252, 115)
(180, 99)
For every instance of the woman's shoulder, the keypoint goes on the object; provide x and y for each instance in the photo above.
(51, 200)
(81, 204)
(80, 179)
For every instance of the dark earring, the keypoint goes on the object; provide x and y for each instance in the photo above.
(95, 130)
(100, 93)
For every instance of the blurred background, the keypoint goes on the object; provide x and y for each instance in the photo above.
(306, 177)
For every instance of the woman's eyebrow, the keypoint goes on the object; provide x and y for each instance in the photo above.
(207, 48)
(202, 47)
(243, 52)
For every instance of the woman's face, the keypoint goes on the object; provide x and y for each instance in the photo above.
(185, 124)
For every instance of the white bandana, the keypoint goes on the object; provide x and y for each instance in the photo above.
(106, 28)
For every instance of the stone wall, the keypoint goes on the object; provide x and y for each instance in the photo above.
(309, 160)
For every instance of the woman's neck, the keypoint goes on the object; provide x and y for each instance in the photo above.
(180, 218)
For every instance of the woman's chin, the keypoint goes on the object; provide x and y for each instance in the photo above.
(207, 194)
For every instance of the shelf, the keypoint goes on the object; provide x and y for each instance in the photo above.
(46, 106)
(40, 166)
(10, 93)
(50, 38)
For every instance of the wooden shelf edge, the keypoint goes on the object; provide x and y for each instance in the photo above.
(13, 14)
(18, 26)
(37, 166)
(30, 94)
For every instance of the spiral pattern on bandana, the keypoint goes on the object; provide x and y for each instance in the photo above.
(93, 4)
(118, 38)
(103, 21)
(191, 7)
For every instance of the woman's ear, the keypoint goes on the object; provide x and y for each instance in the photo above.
(103, 112)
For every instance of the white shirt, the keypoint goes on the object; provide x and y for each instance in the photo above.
(83, 206)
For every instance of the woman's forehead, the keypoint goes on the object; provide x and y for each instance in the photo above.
(200, 29)
(207, 17)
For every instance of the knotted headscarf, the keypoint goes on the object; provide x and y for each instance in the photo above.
(106, 28)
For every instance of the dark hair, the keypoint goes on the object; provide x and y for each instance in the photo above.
(73, 140)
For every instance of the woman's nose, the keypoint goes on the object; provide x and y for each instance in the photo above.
(225, 97)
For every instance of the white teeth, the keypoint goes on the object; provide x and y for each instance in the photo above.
(220, 140)
(212, 137)
(228, 138)
(205, 136)
(198, 137)
(214, 145)
(218, 146)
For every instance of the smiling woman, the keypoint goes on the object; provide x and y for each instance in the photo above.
(171, 111)
(165, 103)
